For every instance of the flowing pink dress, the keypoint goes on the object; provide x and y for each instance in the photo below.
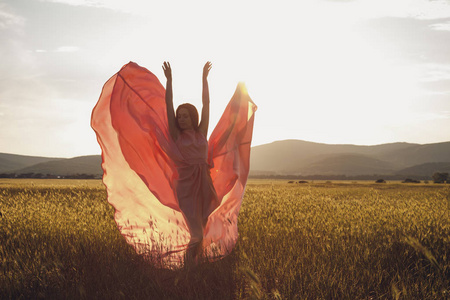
(195, 190)
(170, 195)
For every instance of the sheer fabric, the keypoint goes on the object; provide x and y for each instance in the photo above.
(143, 167)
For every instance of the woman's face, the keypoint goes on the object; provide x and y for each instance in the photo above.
(184, 119)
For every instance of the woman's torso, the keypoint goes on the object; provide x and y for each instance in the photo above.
(193, 147)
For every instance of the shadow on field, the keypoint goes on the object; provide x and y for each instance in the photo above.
(126, 275)
(88, 270)
(63, 243)
(76, 267)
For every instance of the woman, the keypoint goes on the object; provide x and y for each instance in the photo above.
(196, 195)
(175, 194)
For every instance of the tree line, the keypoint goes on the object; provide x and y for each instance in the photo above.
(437, 177)
(50, 176)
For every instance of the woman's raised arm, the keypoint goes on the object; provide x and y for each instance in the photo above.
(169, 102)
(203, 126)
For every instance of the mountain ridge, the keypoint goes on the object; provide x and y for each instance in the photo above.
(10, 162)
(286, 157)
(310, 158)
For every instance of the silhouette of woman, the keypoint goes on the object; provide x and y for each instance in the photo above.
(195, 191)
(176, 194)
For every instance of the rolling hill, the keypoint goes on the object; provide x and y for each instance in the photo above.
(288, 157)
(12, 162)
(90, 164)
(348, 164)
(298, 157)
(426, 169)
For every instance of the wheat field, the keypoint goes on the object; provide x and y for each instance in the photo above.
(319, 240)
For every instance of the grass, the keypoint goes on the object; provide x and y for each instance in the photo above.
(297, 241)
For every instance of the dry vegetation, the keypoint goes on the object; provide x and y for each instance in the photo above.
(309, 241)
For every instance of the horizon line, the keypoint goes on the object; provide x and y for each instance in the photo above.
(276, 141)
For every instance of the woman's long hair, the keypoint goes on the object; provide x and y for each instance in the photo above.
(193, 114)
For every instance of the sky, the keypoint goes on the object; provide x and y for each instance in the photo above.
(361, 72)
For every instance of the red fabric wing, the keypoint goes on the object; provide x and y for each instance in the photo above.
(229, 151)
(138, 115)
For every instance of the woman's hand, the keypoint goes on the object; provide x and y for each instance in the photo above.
(167, 70)
(169, 102)
(206, 69)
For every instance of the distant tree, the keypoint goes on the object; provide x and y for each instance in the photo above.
(440, 177)
(26, 175)
(302, 181)
(291, 181)
(409, 180)
(9, 175)
(380, 181)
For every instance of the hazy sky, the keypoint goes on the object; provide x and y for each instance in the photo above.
(356, 72)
